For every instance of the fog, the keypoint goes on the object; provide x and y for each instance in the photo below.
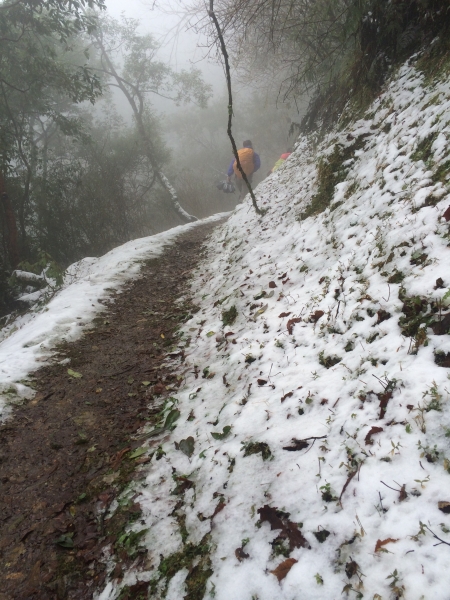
(115, 157)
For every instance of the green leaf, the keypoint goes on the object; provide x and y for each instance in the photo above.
(74, 374)
(187, 446)
(138, 452)
(146, 383)
(221, 436)
(65, 540)
(173, 416)
(210, 333)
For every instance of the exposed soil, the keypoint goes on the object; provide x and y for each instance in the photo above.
(66, 454)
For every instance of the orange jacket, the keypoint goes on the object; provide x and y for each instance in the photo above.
(247, 162)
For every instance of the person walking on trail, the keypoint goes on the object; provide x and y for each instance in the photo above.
(281, 160)
(250, 163)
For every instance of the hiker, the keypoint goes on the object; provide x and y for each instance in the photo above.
(281, 160)
(250, 162)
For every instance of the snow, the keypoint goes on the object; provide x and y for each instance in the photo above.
(29, 341)
(345, 262)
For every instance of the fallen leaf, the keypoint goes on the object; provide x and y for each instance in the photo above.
(146, 383)
(316, 316)
(218, 509)
(403, 495)
(138, 452)
(65, 540)
(290, 324)
(368, 439)
(210, 333)
(284, 314)
(380, 543)
(171, 418)
(288, 395)
(444, 506)
(321, 535)
(240, 554)
(163, 336)
(289, 530)
(296, 445)
(221, 436)
(260, 311)
(159, 388)
(282, 276)
(351, 568)
(272, 284)
(283, 569)
(117, 458)
(262, 382)
(74, 374)
(446, 215)
(187, 446)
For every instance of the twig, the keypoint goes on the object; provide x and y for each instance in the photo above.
(388, 295)
(438, 538)
(382, 382)
(230, 105)
(349, 478)
(388, 486)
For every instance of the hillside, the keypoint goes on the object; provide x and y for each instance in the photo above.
(309, 456)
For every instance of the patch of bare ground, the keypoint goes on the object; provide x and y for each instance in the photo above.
(66, 454)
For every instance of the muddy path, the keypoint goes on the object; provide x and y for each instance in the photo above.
(69, 452)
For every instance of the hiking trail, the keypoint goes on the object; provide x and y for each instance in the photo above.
(66, 454)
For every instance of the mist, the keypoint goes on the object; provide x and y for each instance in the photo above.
(128, 139)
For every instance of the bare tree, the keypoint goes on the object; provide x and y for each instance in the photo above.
(141, 76)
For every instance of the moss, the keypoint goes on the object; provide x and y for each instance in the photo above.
(334, 206)
(328, 361)
(349, 346)
(396, 277)
(184, 559)
(258, 448)
(330, 172)
(229, 316)
(423, 150)
(372, 337)
(415, 313)
(435, 63)
(440, 176)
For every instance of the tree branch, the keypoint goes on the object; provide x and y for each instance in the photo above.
(230, 105)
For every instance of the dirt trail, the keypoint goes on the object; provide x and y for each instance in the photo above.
(65, 455)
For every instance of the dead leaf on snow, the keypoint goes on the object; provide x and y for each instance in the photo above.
(368, 439)
(289, 530)
(290, 324)
(240, 554)
(283, 569)
(316, 316)
(380, 543)
(288, 395)
(444, 506)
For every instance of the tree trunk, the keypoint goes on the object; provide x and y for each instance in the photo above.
(11, 226)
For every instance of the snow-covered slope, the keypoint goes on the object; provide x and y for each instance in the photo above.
(30, 340)
(310, 457)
